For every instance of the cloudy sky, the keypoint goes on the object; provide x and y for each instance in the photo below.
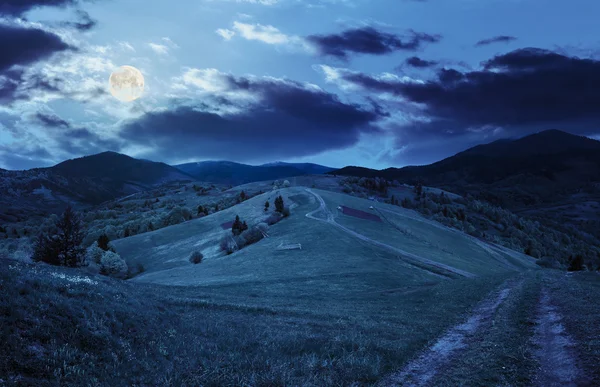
(376, 83)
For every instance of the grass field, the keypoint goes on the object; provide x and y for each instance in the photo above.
(342, 311)
(60, 327)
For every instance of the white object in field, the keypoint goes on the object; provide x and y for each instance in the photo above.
(339, 208)
(294, 246)
(371, 208)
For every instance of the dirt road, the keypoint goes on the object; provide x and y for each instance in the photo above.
(407, 256)
(421, 370)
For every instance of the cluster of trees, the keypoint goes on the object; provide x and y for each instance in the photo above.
(238, 226)
(62, 246)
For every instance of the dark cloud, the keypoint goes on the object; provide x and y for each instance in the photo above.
(521, 87)
(22, 46)
(495, 39)
(368, 40)
(289, 121)
(517, 93)
(84, 22)
(417, 62)
(18, 7)
(26, 158)
(50, 120)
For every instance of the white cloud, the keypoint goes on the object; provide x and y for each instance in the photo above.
(267, 34)
(270, 35)
(170, 42)
(160, 49)
(225, 33)
(126, 46)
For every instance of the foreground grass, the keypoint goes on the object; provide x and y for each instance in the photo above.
(577, 296)
(69, 329)
(500, 353)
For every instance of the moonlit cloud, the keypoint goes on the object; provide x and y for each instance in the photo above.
(266, 34)
(160, 49)
(225, 33)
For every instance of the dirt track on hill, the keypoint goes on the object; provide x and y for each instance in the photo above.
(555, 352)
(409, 257)
(421, 370)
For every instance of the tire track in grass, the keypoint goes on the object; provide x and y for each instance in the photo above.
(405, 255)
(421, 370)
(555, 348)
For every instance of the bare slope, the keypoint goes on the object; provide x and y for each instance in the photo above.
(344, 255)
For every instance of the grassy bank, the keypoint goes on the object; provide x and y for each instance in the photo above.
(61, 327)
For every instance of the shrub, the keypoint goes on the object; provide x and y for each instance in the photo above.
(240, 241)
(252, 235)
(177, 215)
(576, 263)
(113, 265)
(267, 206)
(94, 253)
(548, 262)
(196, 257)
(263, 227)
(272, 219)
(227, 244)
(286, 184)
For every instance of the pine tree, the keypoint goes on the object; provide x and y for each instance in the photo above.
(267, 205)
(242, 196)
(279, 204)
(103, 242)
(64, 248)
(236, 227)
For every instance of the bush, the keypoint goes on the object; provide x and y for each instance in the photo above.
(272, 219)
(196, 257)
(94, 253)
(113, 265)
(252, 235)
(262, 226)
(227, 244)
(240, 241)
(177, 215)
(286, 184)
(548, 262)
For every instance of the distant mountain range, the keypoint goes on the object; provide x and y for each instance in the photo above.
(83, 181)
(546, 167)
(227, 172)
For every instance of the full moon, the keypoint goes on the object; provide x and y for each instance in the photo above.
(126, 83)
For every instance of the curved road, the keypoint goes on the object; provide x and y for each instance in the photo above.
(405, 254)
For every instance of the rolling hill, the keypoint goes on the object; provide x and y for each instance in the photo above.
(410, 247)
(83, 182)
(227, 172)
(551, 174)
(543, 167)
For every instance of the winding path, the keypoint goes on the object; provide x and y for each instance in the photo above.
(407, 256)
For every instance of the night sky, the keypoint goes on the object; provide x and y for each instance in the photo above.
(376, 83)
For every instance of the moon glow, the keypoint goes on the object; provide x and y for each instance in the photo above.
(126, 83)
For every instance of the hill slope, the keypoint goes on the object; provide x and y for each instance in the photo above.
(404, 250)
(551, 174)
(83, 181)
